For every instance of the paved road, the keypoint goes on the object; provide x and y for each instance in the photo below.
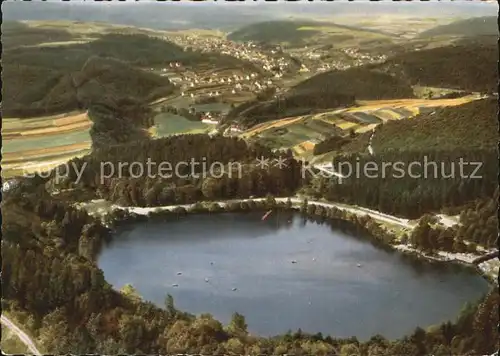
(21, 335)
(296, 202)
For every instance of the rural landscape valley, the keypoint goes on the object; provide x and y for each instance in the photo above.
(250, 178)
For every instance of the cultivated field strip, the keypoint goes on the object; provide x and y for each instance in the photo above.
(302, 132)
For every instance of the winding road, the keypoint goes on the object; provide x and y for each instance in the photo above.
(26, 340)
(296, 202)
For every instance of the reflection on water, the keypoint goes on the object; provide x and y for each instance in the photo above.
(340, 284)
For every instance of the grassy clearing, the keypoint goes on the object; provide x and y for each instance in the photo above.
(167, 124)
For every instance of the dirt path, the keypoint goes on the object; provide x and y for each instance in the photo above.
(21, 335)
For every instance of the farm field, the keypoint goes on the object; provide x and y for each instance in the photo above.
(302, 132)
(40, 143)
(20, 128)
(46, 141)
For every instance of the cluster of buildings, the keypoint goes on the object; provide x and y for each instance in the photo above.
(363, 58)
(203, 84)
(269, 59)
(321, 60)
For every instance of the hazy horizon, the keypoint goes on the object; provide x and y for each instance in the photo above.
(224, 15)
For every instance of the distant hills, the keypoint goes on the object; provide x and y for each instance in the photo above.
(42, 79)
(479, 26)
(38, 91)
(225, 15)
(146, 14)
(298, 32)
(468, 67)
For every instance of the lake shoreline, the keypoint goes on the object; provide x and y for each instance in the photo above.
(146, 213)
(292, 254)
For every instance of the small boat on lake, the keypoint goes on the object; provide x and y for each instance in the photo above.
(266, 215)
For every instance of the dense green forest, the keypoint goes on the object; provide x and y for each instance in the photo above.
(226, 168)
(384, 182)
(364, 83)
(472, 66)
(472, 125)
(118, 121)
(478, 226)
(34, 92)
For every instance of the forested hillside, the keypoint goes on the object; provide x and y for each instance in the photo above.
(467, 133)
(472, 67)
(364, 83)
(185, 185)
(473, 125)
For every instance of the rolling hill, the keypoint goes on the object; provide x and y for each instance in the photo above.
(52, 92)
(479, 26)
(471, 67)
(40, 76)
(302, 32)
(470, 126)
(364, 83)
(324, 91)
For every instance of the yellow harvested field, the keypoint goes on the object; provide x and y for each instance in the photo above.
(51, 130)
(387, 115)
(13, 128)
(366, 128)
(407, 103)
